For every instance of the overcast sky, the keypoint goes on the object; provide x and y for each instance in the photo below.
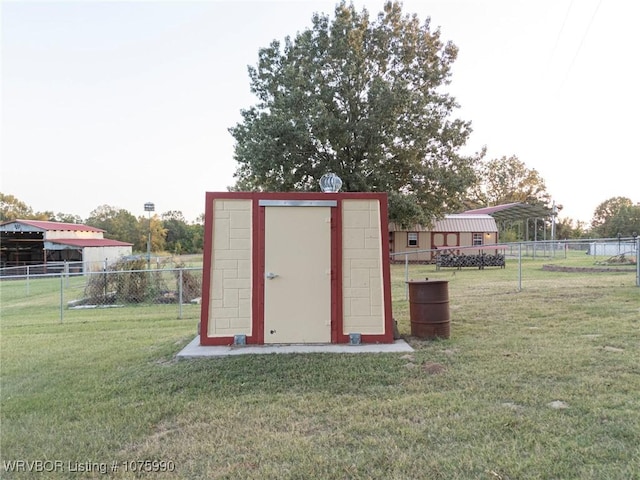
(121, 103)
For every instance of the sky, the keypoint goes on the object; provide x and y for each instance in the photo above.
(120, 103)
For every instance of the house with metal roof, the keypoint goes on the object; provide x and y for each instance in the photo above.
(460, 233)
(49, 245)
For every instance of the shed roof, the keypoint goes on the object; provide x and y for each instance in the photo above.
(455, 223)
(512, 211)
(51, 226)
(466, 223)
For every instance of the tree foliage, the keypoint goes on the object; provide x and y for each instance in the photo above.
(567, 228)
(507, 180)
(177, 230)
(11, 208)
(118, 223)
(158, 234)
(362, 98)
(617, 215)
(65, 218)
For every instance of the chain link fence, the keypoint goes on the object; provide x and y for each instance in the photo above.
(73, 296)
(547, 264)
(172, 289)
(133, 287)
(66, 267)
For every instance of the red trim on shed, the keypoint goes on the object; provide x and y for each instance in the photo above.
(258, 272)
(206, 273)
(336, 274)
(387, 337)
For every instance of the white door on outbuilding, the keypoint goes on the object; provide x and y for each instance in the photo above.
(297, 285)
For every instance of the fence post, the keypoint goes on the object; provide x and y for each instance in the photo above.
(180, 293)
(28, 291)
(637, 261)
(61, 297)
(406, 276)
(520, 267)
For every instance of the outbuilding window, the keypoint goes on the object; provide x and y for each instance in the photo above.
(412, 239)
(478, 239)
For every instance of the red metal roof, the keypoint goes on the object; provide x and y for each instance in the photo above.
(90, 242)
(45, 225)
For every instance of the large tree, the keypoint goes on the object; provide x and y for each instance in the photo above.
(507, 180)
(118, 224)
(617, 215)
(362, 98)
(568, 228)
(178, 234)
(12, 208)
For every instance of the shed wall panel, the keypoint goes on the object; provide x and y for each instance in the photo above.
(363, 299)
(231, 279)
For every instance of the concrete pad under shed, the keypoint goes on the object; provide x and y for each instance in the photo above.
(195, 350)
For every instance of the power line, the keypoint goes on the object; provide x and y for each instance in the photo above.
(584, 35)
(564, 22)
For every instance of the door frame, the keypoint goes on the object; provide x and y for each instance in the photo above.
(335, 254)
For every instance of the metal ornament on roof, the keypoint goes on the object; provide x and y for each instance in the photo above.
(330, 183)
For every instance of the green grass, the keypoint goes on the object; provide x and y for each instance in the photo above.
(103, 386)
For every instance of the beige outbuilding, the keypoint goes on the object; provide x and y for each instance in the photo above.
(448, 233)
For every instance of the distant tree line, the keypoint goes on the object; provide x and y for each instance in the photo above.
(616, 216)
(170, 232)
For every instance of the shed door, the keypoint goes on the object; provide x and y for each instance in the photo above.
(297, 285)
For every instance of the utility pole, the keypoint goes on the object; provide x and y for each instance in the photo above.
(149, 207)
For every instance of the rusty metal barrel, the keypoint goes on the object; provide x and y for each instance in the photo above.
(429, 308)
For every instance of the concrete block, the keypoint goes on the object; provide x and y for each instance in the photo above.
(353, 238)
(230, 298)
(360, 277)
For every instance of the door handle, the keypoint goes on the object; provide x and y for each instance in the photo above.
(270, 275)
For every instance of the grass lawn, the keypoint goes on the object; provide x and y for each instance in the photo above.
(538, 384)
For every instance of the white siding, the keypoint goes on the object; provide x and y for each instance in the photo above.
(94, 257)
(64, 234)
